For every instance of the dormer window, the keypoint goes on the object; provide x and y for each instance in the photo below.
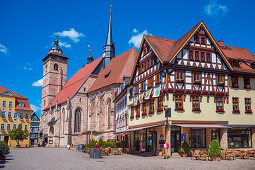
(105, 76)
(235, 63)
(56, 67)
(21, 104)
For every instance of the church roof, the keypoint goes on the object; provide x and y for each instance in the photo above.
(74, 83)
(119, 67)
(18, 99)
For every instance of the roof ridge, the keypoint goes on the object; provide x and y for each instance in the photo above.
(160, 38)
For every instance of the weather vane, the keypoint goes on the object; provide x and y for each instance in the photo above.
(90, 48)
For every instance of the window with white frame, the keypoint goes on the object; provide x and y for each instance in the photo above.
(9, 114)
(4, 104)
(14, 126)
(21, 115)
(15, 117)
(8, 126)
(10, 104)
(3, 114)
(21, 104)
(26, 127)
(2, 126)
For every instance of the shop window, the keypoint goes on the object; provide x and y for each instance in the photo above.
(208, 57)
(138, 111)
(179, 76)
(202, 56)
(160, 104)
(248, 105)
(151, 107)
(195, 103)
(220, 80)
(196, 56)
(239, 138)
(197, 138)
(196, 78)
(234, 80)
(246, 81)
(179, 102)
(191, 55)
(235, 104)
(132, 113)
(219, 104)
(215, 134)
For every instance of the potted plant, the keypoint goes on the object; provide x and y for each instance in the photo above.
(184, 149)
(214, 150)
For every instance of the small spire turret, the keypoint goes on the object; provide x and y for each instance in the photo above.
(90, 57)
(56, 48)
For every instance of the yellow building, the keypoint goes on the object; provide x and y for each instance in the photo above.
(14, 110)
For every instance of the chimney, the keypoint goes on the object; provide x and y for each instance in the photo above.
(220, 43)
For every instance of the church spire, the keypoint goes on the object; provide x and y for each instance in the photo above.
(109, 49)
(56, 48)
(109, 33)
(90, 57)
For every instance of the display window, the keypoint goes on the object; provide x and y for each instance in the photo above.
(239, 138)
(197, 138)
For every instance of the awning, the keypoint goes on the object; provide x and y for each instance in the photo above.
(144, 127)
(202, 126)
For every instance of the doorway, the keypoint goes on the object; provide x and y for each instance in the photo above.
(6, 139)
(175, 140)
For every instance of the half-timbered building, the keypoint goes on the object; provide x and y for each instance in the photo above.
(190, 76)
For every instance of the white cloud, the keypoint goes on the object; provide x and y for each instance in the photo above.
(64, 44)
(3, 49)
(135, 30)
(214, 9)
(136, 39)
(35, 108)
(28, 67)
(38, 83)
(72, 34)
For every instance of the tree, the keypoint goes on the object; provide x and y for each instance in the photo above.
(19, 134)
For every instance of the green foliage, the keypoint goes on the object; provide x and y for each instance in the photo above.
(19, 134)
(5, 147)
(124, 143)
(166, 157)
(214, 148)
(92, 144)
(185, 147)
(102, 144)
(118, 144)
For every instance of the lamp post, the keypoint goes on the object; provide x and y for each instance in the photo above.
(91, 131)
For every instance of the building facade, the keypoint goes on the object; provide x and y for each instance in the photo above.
(72, 110)
(193, 77)
(15, 110)
(34, 129)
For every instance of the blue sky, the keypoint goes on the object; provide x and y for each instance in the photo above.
(27, 31)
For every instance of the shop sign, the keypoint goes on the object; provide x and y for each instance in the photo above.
(183, 137)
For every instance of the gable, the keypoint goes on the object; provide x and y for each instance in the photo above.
(188, 40)
(7, 93)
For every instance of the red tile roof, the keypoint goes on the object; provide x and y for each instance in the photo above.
(181, 41)
(119, 67)
(19, 99)
(242, 54)
(74, 83)
(162, 46)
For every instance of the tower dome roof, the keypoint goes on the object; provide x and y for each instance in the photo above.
(56, 48)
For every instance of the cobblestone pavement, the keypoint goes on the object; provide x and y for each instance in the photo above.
(61, 158)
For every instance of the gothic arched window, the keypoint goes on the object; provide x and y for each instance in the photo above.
(109, 112)
(77, 120)
(56, 67)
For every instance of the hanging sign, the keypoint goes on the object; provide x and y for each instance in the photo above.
(156, 91)
(147, 94)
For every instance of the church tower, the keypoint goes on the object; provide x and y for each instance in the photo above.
(54, 73)
(109, 49)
